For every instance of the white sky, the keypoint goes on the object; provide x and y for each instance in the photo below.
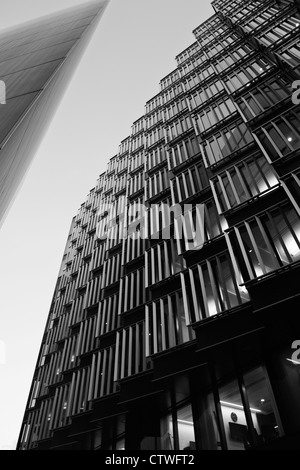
(134, 47)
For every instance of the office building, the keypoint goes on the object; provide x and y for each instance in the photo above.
(175, 319)
(37, 61)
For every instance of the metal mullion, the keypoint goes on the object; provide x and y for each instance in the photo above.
(92, 380)
(266, 239)
(183, 176)
(203, 290)
(157, 218)
(222, 279)
(161, 181)
(75, 392)
(255, 247)
(147, 334)
(113, 270)
(130, 351)
(159, 263)
(143, 358)
(104, 316)
(151, 212)
(81, 389)
(180, 198)
(132, 287)
(251, 271)
(185, 302)
(171, 325)
(146, 270)
(228, 204)
(55, 416)
(109, 370)
(33, 424)
(240, 176)
(118, 267)
(116, 367)
(167, 264)
(198, 178)
(137, 246)
(234, 278)
(89, 334)
(214, 286)
(154, 317)
(216, 199)
(48, 371)
(120, 297)
(192, 181)
(184, 151)
(153, 273)
(96, 386)
(123, 356)
(47, 409)
(103, 373)
(43, 417)
(83, 341)
(137, 348)
(138, 288)
(177, 321)
(64, 355)
(114, 312)
(233, 187)
(64, 400)
(163, 326)
(154, 179)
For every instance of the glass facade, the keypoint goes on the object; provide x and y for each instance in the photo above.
(178, 297)
(36, 63)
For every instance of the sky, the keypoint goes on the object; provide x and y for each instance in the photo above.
(134, 47)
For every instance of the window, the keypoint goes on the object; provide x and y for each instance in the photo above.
(211, 288)
(156, 157)
(101, 383)
(178, 127)
(183, 151)
(264, 97)
(269, 241)
(199, 97)
(281, 136)
(247, 179)
(215, 113)
(107, 315)
(226, 142)
(189, 183)
(130, 351)
(157, 183)
(197, 226)
(162, 261)
(166, 324)
(245, 75)
(132, 290)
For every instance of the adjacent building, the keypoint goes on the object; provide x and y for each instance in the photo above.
(175, 319)
(37, 60)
